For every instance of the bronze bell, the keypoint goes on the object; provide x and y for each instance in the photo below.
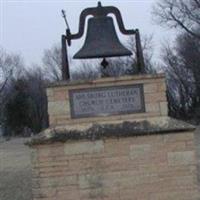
(101, 40)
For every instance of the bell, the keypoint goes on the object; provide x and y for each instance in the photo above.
(101, 40)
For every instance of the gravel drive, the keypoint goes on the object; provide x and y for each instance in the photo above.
(15, 171)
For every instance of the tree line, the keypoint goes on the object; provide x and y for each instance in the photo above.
(23, 101)
(181, 58)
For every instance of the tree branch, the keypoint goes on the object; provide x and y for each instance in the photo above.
(184, 27)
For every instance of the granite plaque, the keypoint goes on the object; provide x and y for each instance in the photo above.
(106, 101)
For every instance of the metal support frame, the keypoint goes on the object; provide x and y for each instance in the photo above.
(65, 63)
(139, 52)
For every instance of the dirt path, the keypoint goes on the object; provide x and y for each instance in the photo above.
(15, 173)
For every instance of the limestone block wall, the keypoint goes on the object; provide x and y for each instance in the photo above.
(154, 97)
(154, 167)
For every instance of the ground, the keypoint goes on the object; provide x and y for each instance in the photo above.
(197, 140)
(15, 171)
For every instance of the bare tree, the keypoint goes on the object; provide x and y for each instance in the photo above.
(181, 14)
(36, 86)
(181, 64)
(181, 60)
(148, 51)
(188, 48)
(26, 105)
(180, 82)
(86, 71)
(93, 69)
(128, 65)
(52, 63)
(11, 66)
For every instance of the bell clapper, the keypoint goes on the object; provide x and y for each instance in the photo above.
(104, 69)
(104, 63)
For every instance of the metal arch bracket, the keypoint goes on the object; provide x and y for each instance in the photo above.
(98, 11)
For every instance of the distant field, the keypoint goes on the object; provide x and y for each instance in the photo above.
(15, 171)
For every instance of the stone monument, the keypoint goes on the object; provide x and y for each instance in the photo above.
(112, 139)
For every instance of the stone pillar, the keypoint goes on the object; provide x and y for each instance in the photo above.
(124, 156)
(154, 91)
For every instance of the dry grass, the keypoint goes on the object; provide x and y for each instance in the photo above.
(15, 171)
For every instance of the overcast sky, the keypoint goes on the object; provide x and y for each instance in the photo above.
(30, 26)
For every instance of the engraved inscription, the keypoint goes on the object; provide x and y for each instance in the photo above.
(104, 101)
